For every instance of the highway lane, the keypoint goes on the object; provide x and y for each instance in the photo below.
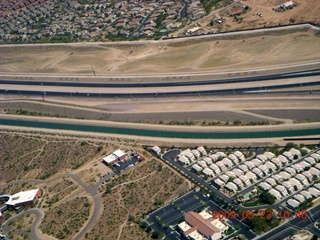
(116, 84)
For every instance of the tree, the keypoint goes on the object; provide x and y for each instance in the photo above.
(267, 198)
(155, 235)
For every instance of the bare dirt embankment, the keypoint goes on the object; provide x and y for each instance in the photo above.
(244, 50)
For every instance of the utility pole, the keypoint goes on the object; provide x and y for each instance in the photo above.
(93, 71)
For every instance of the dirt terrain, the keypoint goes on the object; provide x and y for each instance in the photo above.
(261, 48)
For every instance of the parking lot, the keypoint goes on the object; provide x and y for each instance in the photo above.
(122, 166)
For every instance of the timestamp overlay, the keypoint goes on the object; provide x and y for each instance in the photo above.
(262, 214)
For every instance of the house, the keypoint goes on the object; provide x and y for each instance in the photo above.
(1, 218)
(314, 192)
(305, 165)
(288, 155)
(288, 186)
(221, 155)
(183, 160)
(315, 172)
(221, 166)
(258, 172)
(263, 168)
(243, 168)
(227, 162)
(217, 182)
(23, 198)
(215, 168)
(293, 204)
(308, 175)
(291, 171)
(240, 156)
(296, 153)
(249, 164)
(196, 153)
(208, 172)
(317, 186)
(316, 156)
(271, 181)
(190, 156)
(310, 160)
(262, 158)
(269, 155)
(264, 186)
(214, 157)
(276, 162)
(115, 156)
(238, 172)
(284, 161)
(302, 179)
(201, 226)
(306, 194)
(156, 150)
(295, 183)
(256, 162)
(251, 176)
(202, 151)
(224, 178)
(270, 165)
(281, 189)
(245, 180)
(202, 164)
(275, 193)
(238, 182)
(300, 198)
(231, 187)
(233, 158)
(196, 168)
(280, 178)
(237, 12)
(297, 167)
(230, 174)
(207, 160)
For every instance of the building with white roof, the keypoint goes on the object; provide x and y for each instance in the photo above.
(240, 156)
(263, 168)
(196, 168)
(284, 160)
(230, 186)
(221, 155)
(296, 183)
(284, 175)
(276, 162)
(314, 172)
(297, 167)
(302, 179)
(270, 165)
(23, 198)
(269, 155)
(214, 157)
(243, 168)
(224, 178)
(196, 153)
(207, 160)
(114, 157)
(219, 183)
(238, 182)
(308, 175)
(230, 174)
(208, 172)
(221, 166)
(317, 186)
(279, 178)
(304, 164)
(233, 158)
(262, 158)
(291, 171)
(251, 176)
(238, 172)
(245, 180)
(264, 186)
(256, 162)
(306, 194)
(156, 150)
(202, 164)
(295, 152)
(183, 160)
(271, 181)
(288, 186)
(190, 156)
(227, 162)
(249, 164)
(258, 172)
(317, 166)
(275, 193)
(293, 204)
(316, 156)
(310, 160)
(215, 168)
(288, 155)
(306, 149)
(202, 150)
(281, 189)
(314, 192)
(300, 198)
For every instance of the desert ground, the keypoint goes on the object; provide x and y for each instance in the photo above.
(260, 49)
